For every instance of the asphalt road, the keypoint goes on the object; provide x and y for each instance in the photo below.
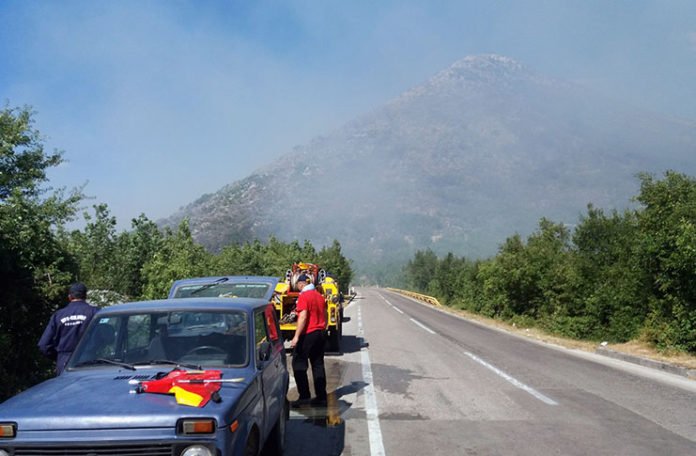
(413, 380)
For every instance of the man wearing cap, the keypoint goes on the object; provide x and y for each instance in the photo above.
(66, 326)
(308, 343)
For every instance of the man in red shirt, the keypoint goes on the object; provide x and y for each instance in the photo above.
(308, 343)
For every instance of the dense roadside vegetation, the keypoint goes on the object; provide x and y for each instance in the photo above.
(614, 277)
(40, 256)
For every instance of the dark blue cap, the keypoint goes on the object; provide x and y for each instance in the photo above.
(78, 290)
(303, 278)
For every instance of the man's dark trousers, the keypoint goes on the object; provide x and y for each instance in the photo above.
(310, 348)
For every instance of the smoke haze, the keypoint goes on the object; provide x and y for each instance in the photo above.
(156, 103)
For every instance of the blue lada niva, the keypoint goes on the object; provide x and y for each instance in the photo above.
(117, 397)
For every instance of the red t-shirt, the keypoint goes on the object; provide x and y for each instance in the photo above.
(313, 302)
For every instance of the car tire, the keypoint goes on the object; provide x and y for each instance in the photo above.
(334, 340)
(252, 445)
(276, 440)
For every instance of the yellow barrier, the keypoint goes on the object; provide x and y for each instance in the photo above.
(418, 296)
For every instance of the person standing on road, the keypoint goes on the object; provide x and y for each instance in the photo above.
(66, 326)
(308, 344)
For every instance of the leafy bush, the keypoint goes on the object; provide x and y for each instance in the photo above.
(615, 277)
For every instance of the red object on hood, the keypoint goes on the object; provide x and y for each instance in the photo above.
(193, 388)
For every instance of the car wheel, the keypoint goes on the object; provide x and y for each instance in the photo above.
(334, 340)
(276, 441)
(252, 446)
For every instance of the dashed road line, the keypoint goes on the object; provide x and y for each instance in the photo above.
(511, 379)
(423, 326)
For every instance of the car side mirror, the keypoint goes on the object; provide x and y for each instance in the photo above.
(264, 351)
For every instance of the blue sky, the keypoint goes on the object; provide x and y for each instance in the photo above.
(156, 103)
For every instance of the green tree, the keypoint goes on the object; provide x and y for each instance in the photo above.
(667, 223)
(467, 289)
(276, 257)
(550, 270)
(35, 268)
(444, 283)
(23, 161)
(95, 249)
(531, 280)
(505, 288)
(332, 260)
(252, 258)
(420, 271)
(308, 254)
(279, 256)
(112, 262)
(228, 261)
(178, 257)
(612, 292)
(133, 249)
(618, 276)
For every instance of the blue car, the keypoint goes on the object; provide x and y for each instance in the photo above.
(223, 287)
(100, 405)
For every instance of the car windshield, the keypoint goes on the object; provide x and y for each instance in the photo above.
(222, 289)
(194, 338)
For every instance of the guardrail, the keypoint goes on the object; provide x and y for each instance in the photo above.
(418, 296)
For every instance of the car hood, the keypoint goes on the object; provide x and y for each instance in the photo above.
(106, 401)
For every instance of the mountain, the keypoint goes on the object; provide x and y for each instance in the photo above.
(480, 151)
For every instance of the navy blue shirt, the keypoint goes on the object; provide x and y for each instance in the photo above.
(64, 331)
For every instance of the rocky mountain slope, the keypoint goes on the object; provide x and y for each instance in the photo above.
(480, 151)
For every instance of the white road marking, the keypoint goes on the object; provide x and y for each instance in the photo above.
(512, 380)
(373, 427)
(291, 384)
(423, 326)
(294, 414)
(391, 305)
(509, 378)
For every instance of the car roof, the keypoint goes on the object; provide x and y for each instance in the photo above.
(271, 281)
(181, 304)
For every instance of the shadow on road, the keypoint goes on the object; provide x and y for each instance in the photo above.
(313, 436)
(321, 430)
(354, 387)
(349, 344)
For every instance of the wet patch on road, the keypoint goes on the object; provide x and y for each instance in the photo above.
(313, 436)
(396, 380)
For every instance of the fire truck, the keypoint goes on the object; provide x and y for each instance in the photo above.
(285, 300)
